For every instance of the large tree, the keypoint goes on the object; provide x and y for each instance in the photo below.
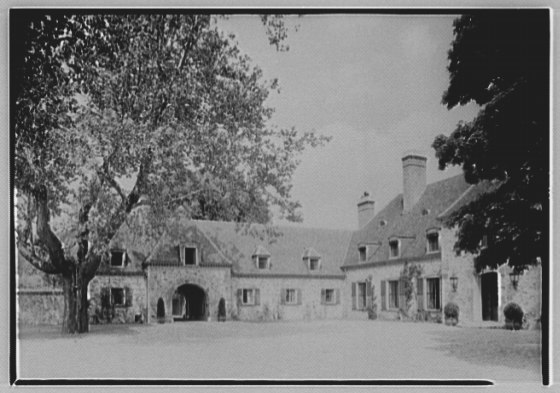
(113, 111)
(501, 62)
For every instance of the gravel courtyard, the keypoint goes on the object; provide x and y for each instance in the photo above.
(282, 350)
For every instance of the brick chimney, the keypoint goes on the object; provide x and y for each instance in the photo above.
(366, 210)
(414, 179)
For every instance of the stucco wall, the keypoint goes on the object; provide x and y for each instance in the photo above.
(270, 307)
(40, 307)
(164, 281)
(123, 314)
(383, 272)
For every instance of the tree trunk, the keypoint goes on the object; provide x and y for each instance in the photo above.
(76, 318)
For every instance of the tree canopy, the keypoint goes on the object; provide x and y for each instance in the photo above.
(501, 62)
(113, 111)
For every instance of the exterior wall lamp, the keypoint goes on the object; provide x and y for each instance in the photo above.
(454, 282)
(514, 277)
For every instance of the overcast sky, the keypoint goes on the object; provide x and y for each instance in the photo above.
(372, 82)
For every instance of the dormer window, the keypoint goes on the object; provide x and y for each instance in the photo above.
(261, 258)
(394, 248)
(188, 255)
(312, 259)
(362, 250)
(118, 258)
(432, 238)
(262, 262)
(314, 263)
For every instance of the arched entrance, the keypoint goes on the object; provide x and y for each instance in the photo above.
(189, 303)
(489, 296)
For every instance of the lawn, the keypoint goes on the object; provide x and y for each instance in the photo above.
(282, 350)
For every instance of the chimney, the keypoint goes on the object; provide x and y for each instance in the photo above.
(366, 210)
(414, 179)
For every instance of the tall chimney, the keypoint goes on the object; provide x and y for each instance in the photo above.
(414, 179)
(366, 210)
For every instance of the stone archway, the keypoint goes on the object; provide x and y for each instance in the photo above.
(189, 303)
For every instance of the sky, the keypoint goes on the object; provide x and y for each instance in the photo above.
(374, 84)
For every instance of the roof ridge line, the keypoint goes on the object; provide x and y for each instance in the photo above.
(443, 213)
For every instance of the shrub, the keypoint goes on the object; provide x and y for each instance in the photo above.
(513, 314)
(451, 310)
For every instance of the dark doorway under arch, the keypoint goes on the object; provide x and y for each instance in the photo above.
(189, 303)
(160, 309)
(489, 295)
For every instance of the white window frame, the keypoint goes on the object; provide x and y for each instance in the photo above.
(428, 235)
(333, 298)
(123, 304)
(398, 241)
(123, 259)
(183, 254)
(248, 296)
(425, 289)
(258, 259)
(291, 300)
(389, 305)
(310, 260)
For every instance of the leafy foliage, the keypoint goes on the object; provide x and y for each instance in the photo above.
(451, 310)
(114, 111)
(513, 312)
(500, 61)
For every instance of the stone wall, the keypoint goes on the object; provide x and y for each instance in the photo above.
(467, 294)
(528, 293)
(164, 281)
(122, 314)
(40, 307)
(270, 307)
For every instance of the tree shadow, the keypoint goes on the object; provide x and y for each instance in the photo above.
(483, 346)
(50, 332)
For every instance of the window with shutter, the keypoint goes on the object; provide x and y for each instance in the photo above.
(383, 301)
(337, 296)
(393, 294)
(353, 296)
(128, 292)
(329, 296)
(433, 293)
(420, 293)
(368, 294)
(118, 297)
(257, 297)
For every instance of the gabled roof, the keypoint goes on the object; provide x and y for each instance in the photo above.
(410, 228)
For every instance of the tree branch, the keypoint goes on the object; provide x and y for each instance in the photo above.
(37, 262)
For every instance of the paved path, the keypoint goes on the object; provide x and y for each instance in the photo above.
(283, 350)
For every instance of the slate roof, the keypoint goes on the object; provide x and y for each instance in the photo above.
(286, 245)
(410, 228)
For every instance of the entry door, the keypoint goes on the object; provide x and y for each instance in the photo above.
(489, 295)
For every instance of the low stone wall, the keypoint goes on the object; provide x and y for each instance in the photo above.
(40, 306)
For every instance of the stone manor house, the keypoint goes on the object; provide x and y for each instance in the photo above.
(289, 273)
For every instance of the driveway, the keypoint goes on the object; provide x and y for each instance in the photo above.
(283, 350)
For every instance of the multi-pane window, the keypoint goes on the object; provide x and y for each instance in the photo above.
(290, 296)
(433, 241)
(393, 294)
(313, 263)
(248, 297)
(262, 262)
(394, 248)
(433, 293)
(329, 296)
(118, 296)
(117, 258)
(361, 299)
(362, 250)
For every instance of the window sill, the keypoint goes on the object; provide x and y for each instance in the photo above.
(248, 304)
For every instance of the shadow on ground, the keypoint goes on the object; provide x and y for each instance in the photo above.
(513, 349)
(46, 332)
